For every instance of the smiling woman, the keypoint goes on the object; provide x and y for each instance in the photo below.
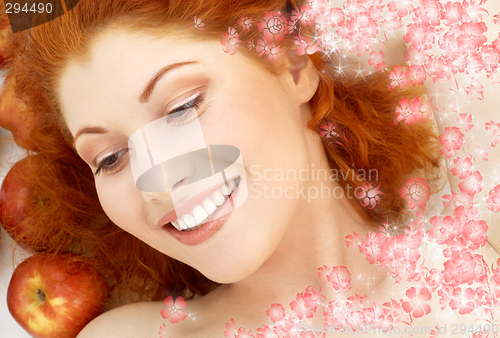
(109, 70)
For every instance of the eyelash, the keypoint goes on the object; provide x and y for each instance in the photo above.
(111, 169)
(171, 117)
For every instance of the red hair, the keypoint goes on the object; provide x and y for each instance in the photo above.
(362, 108)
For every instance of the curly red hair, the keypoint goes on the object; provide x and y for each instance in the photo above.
(362, 108)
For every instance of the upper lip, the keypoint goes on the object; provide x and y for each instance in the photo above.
(188, 204)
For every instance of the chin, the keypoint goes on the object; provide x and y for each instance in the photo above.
(235, 262)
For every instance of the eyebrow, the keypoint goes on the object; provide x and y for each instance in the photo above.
(150, 87)
(144, 98)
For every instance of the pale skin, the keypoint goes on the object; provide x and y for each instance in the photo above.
(262, 239)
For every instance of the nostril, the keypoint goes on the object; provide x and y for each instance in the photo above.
(178, 184)
(147, 196)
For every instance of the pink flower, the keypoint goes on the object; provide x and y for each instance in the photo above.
(394, 309)
(306, 303)
(496, 19)
(335, 17)
(232, 332)
(474, 234)
(461, 168)
(274, 26)
(340, 278)
(493, 199)
(328, 130)
(231, 329)
(493, 129)
(250, 44)
(305, 45)
(398, 77)
(463, 300)
(242, 333)
(455, 200)
(371, 246)
(270, 49)
(472, 35)
(435, 332)
(475, 86)
(416, 305)
(275, 52)
(276, 312)
(480, 152)
(471, 184)
(377, 59)
(173, 309)
(402, 7)
(416, 193)
(262, 47)
(465, 122)
(416, 69)
(462, 267)
(452, 140)
(245, 22)
(421, 34)
(434, 279)
(482, 334)
(198, 23)
(304, 15)
(438, 69)
(453, 13)
(369, 195)
(230, 40)
(265, 332)
(416, 111)
(163, 332)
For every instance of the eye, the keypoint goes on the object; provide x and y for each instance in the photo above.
(112, 163)
(186, 112)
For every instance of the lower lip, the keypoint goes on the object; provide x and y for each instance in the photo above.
(208, 229)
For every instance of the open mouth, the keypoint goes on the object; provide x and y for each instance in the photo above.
(206, 209)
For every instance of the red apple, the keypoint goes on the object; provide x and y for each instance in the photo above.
(15, 117)
(18, 198)
(55, 296)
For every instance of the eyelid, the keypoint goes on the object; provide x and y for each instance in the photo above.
(116, 166)
(184, 98)
(101, 158)
(183, 102)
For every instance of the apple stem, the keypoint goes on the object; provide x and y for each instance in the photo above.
(40, 294)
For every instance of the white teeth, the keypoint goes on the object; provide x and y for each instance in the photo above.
(176, 225)
(218, 198)
(199, 214)
(209, 206)
(182, 225)
(189, 220)
(225, 190)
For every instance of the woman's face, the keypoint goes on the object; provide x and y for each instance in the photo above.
(237, 104)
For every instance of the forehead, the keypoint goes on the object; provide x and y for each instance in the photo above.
(119, 67)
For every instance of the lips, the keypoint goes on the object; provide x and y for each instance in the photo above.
(203, 211)
(206, 230)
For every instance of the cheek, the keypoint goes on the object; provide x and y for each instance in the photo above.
(121, 200)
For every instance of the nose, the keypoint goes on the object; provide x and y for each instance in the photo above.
(159, 181)
(156, 196)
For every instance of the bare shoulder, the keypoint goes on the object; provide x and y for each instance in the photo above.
(133, 320)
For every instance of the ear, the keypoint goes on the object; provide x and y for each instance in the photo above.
(305, 76)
